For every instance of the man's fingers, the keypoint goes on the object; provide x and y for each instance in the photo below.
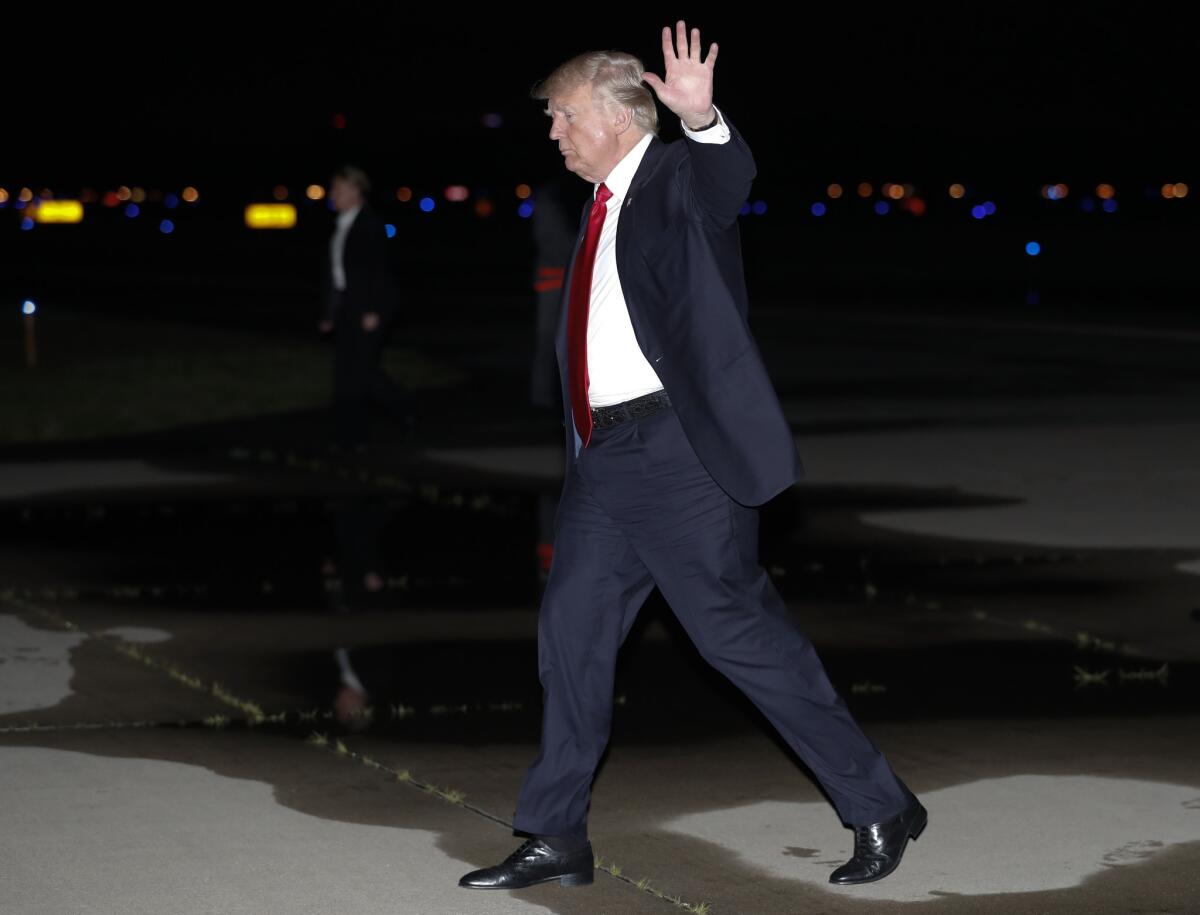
(681, 45)
(712, 55)
(668, 47)
(694, 51)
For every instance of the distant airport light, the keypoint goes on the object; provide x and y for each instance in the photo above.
(404, 194)
(989, 208)
(3, 195)
(957, 191)
(1181, 190)
(484, 208)
(744, 209)
(456, 193)
(110, 199)
(166, 227)
(864, 189)
(525, 210)
(132, 210)
(339, 121)
(1033, 249)
(138, 195)
(314, 192)
(916, 206)
(818, 209)
(28, 307)
(1168, 191)
(1105, 191)
(427, 204)
(882, 207)
(124, 193)
(190, 195)
(390, 230)
(270, 216)
(523, 191)
(58, 211)
(834, 191)
(895, 191)
(1109, 206)
(280, 193)
(759, 207)
(26, 224)
(978, 212)
(171, 201)
(26, 195)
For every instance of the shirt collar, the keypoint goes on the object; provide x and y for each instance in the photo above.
(347, 216)
(621, 176)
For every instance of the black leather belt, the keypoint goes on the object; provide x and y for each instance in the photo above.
(646, 405)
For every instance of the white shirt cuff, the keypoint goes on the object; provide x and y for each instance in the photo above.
(716, 134)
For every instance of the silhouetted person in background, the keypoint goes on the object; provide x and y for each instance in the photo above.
(360, 296)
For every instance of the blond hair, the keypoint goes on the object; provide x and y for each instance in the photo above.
(615, 78)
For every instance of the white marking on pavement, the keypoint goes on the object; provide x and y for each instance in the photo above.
(1043, 832)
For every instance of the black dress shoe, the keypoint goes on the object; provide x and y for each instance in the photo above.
(534, 862)
(878, 847)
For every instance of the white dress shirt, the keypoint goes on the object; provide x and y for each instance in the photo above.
(337, 245)
(617, 368)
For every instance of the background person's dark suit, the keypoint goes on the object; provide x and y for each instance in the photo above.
(668, 500)
(358, 378)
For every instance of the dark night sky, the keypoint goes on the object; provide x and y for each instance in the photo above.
(863, 86)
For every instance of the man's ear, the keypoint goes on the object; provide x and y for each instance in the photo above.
(622, 118)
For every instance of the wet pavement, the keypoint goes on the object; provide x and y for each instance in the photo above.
(994, 553)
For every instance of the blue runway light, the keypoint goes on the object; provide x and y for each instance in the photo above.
(978, 212)
(818, 209)
(1110, 206)
(390, 229)
(26, 223)
(760, 207)
(166, 227)
(881, 207)
(1033, 249)
(171, 201)
(525, 210)
(132, 210)
(989, 207)
(28, 307)
(745, 209)
(427, 204)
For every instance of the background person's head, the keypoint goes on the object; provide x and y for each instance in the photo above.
(599, 109)
(349, 188)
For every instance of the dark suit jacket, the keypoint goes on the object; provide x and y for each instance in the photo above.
(679, 260)
(370, 283)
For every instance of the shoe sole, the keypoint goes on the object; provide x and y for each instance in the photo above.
(564, 880)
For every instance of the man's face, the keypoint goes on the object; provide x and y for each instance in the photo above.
(344, 194)
(586, 135)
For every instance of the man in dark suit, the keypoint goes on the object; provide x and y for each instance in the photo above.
(359, 295)
(674, 434)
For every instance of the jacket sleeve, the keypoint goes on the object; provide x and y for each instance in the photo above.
(717, 175)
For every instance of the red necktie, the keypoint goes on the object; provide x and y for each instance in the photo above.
(577, 317)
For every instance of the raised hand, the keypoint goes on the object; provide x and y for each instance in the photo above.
(688, 89)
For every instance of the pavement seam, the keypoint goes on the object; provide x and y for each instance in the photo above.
(255, 716)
